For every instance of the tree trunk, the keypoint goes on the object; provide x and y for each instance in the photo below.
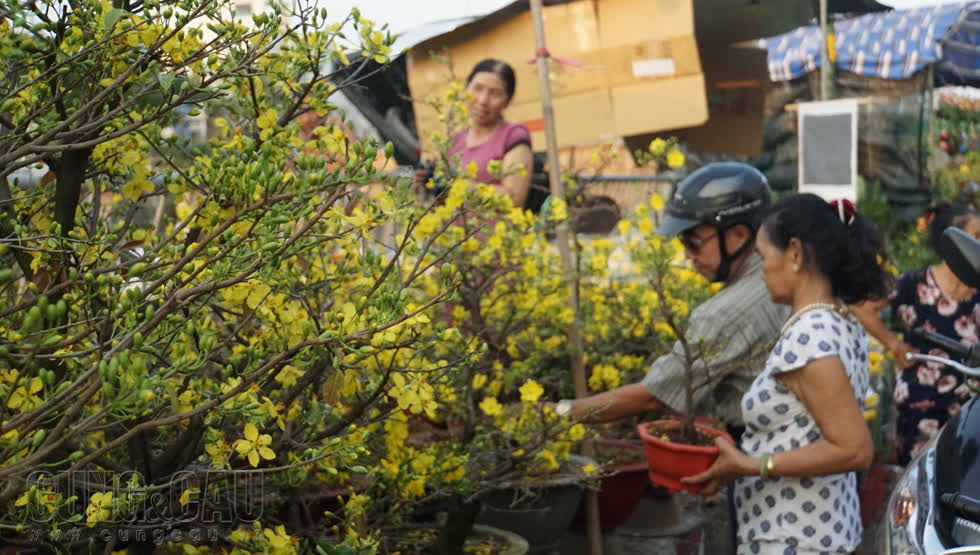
(70, 173)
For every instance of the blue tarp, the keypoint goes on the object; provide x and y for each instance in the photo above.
(890, 45)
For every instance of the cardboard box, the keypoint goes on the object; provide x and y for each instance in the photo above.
(640, 70)
(737, 80)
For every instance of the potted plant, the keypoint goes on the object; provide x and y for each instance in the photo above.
(539, 510)
(624, 477)
(675, 447)
(477, 431)
(487, 539)
(679, 447)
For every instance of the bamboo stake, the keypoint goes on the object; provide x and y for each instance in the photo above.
(593, 532)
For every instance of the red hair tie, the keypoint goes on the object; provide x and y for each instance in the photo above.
(845, 210)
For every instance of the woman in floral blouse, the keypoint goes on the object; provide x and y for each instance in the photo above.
(926, 393)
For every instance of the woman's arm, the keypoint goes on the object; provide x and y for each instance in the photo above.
(514, 183)
(845, 444)
(867, 314)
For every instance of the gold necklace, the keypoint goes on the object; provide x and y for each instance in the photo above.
(796, 315)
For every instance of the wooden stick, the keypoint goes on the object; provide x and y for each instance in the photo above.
(574, 336)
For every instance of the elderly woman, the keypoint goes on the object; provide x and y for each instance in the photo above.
(795, 489)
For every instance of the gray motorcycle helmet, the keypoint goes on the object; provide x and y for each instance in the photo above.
(723, 194)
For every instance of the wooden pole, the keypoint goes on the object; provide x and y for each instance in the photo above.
(826, 71)
(565, 253)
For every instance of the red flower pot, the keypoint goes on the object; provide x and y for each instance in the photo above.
(619, 492)
(871, 494)
(669, 461)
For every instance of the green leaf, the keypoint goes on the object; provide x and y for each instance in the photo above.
(111, 18)
(166, 81)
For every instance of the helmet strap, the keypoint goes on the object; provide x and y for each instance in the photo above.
(725, 266)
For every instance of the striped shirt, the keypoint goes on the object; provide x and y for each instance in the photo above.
(736, 329)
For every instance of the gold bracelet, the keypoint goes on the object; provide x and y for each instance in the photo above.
(770, 464)
(764, 465)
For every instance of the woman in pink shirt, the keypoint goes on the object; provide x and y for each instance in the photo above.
(489, 137)
(491, 84)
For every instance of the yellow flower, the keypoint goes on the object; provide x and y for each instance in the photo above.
(426, 226)
(589, 468)
(251, 292)
(46, 498)
(266, 122)
(186, 401)
(656, 202)
(241, 535)
(494, 167)
(185, 497)
(459, 312)
(531, 391)
(874, 362)
(288, 375)
(491, 406)
(479, 381)
(218, 451)
(675, 159)
(280, 542)
(871, 400)
(559, 210)
(415, 488)
(26, 399)
(548, 459)
(665, 328)
(657, 146)
(254, 445)
(646, 226)
(98, 508)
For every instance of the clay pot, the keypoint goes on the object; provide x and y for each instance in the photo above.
(621, 489)
(670, 461)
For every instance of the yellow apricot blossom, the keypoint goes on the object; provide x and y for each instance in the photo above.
(280, 542)
(254, 445)
(491, 407)
(24, 399)
(531, 391)
(99, 508)
(656, 202)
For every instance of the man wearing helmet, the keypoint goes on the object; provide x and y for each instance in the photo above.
(715, 212)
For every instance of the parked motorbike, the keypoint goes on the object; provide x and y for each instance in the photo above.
(935, 507)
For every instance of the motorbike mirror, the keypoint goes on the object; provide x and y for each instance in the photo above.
(962, 253)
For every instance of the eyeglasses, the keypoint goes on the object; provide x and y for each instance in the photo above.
(694, 243)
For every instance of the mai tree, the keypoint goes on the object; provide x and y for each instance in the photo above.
(193, 376)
